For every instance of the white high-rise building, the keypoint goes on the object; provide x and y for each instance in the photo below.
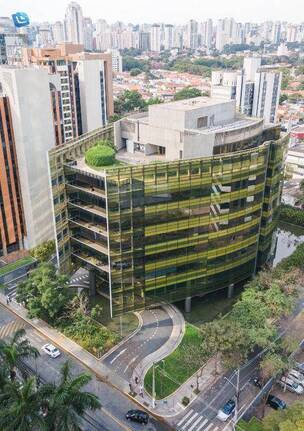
(168, 36)
(267, 88)
(155, 38)
(58, 32)
(207, 33)
(116, 60)
(28, 90)
(192, 34)
(276, 33)
(88, 30)
(255, 88)
(74, 23)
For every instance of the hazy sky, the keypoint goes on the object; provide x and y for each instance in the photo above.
(178, 11)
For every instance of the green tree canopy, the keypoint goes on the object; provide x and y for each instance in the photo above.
(187, 93)
(44, 251)
(128, 101)
(100, 155)
(291, 419)
(44, 292)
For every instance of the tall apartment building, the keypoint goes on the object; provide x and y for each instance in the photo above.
(144, 41)
(191, 210)
(155, 38)
(27, 134)
(116, 60)
(88, 30)
(85, 101)
(12, 226)
(58, 32)
(168, 36)
(74, 24)
(11, 46)
(255, 88)
(192, 34)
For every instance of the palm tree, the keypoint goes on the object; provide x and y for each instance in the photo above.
(67, 403)
(21, 406)
(14, 350)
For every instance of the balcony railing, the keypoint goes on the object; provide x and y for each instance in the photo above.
(91, 260)
(93, 227)
(91, 244)
(93, 209)
(88, 189)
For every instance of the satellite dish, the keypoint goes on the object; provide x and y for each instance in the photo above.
(20, 19)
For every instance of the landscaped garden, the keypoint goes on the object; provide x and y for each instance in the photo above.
(16, 265)
(47, 297)
(101, 156)
(268, 297)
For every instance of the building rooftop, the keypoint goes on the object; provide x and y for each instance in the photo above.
(192, 104)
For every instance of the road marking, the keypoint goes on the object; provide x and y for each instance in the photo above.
(189, 421)
(11, 328)
(208, 427)
(202, 425)
(195, 423)
(185, 417)
(130, 363)
(117, 356)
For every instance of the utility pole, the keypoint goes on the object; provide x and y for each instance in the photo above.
(236, 411)
(153, 385)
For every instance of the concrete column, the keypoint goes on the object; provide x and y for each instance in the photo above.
(188, 304)
(92, 279)
(230, 291)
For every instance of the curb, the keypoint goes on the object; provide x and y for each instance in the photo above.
(124, 340)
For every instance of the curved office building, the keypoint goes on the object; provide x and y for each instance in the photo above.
(189, 207)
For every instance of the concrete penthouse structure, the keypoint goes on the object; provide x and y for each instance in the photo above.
(189, 206)
(27, 134)
(83, 101)
(255, 88)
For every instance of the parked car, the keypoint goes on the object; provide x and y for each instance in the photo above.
(276, 403)
(299, 366)
(257, 382)
(296, 376)
(51, 350)
(291, 386)
(137, 416)
(226, 411)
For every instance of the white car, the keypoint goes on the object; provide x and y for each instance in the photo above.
(291, 385)
(51, 350)
(226, 411)
(296, 376)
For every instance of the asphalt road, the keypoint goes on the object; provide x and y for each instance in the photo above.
(155, 331)
(114, 404)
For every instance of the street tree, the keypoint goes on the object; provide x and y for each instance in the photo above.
(272, 365)
(14, 350)
(67, 402)
(291, 419)
(44, 292)
(20, 406)
(195, 356)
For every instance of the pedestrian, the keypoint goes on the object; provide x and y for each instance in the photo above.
(7, 299)
(136, 380)
(141, 391)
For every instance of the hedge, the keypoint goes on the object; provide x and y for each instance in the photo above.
(100, 155)
(292, 215)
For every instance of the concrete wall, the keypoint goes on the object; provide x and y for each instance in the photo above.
(30, 101)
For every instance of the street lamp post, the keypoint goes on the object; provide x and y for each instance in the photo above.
(153, 385)
(237, 390)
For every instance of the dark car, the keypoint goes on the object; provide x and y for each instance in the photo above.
(276, 403)
(137, 416)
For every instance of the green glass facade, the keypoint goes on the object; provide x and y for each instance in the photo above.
(169, 230)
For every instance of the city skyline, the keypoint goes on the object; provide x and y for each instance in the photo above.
(135, 13)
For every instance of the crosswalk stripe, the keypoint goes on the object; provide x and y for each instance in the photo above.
(10, 328)
(202, 425)
(195, 423)
(185, 417)
(209, 426)
(189, 421)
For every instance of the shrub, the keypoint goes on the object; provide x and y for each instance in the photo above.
(290, 214)
(100, 155)
(185, 401)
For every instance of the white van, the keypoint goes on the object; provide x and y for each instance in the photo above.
(291, 386)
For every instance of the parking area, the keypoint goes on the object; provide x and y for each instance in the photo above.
(288, 397)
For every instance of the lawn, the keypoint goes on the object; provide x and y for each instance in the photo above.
(173, 370)
(115, 164)
(253, 425)
(15, 265)
(209, 307)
